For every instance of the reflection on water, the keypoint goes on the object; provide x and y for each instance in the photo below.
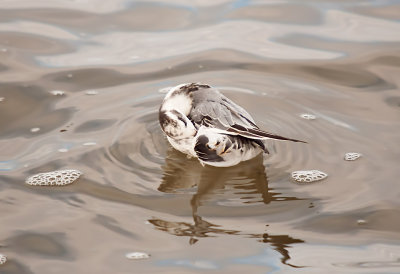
(336, 60)
(246, 181)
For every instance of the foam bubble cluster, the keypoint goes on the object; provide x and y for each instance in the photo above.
(308, 116)
(137, 255)
(308, 176)
(3, 259)
(351, 156)
(54, 178)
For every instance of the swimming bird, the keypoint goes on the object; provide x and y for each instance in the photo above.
(203, 123)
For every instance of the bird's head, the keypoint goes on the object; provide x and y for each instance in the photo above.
(180, 97)
(176, 125)
(185, 89)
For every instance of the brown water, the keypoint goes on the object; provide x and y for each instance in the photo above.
(337, 60)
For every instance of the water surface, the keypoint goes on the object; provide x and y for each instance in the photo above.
(337, 60)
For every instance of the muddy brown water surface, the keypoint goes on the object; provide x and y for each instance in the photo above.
(337, 60)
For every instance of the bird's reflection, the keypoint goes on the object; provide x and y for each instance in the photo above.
(244, 183)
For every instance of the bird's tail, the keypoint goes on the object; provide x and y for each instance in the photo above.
(258, 134)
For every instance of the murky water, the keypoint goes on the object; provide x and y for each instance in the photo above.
(79, 89)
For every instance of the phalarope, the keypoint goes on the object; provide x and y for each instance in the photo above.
(201, 122)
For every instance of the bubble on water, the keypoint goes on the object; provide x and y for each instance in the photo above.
(69, 75)
(63, 150)
(351, 156)
(361, 222)
(57, 92)
(90, 144)
(57, 178)
(201, 66)
(2, 99)
(137, 255)
(92, 92)
(308, 176)
(3, 50)
(35, 129)
(308, 116)
(3, 259)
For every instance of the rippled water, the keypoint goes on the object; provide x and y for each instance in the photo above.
(336, 60)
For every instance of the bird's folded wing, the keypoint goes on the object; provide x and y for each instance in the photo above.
(230, 119)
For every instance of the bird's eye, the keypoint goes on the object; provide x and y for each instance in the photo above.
(217, 143)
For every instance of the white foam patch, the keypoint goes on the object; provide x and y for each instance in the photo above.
(57, 92)
(352, 156)
(308, 176)
(54, 178)
(137, 255)
(308, 116)
(3, 259)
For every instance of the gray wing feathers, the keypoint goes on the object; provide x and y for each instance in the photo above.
(214, 113)
(212, 109)
(219, 109)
